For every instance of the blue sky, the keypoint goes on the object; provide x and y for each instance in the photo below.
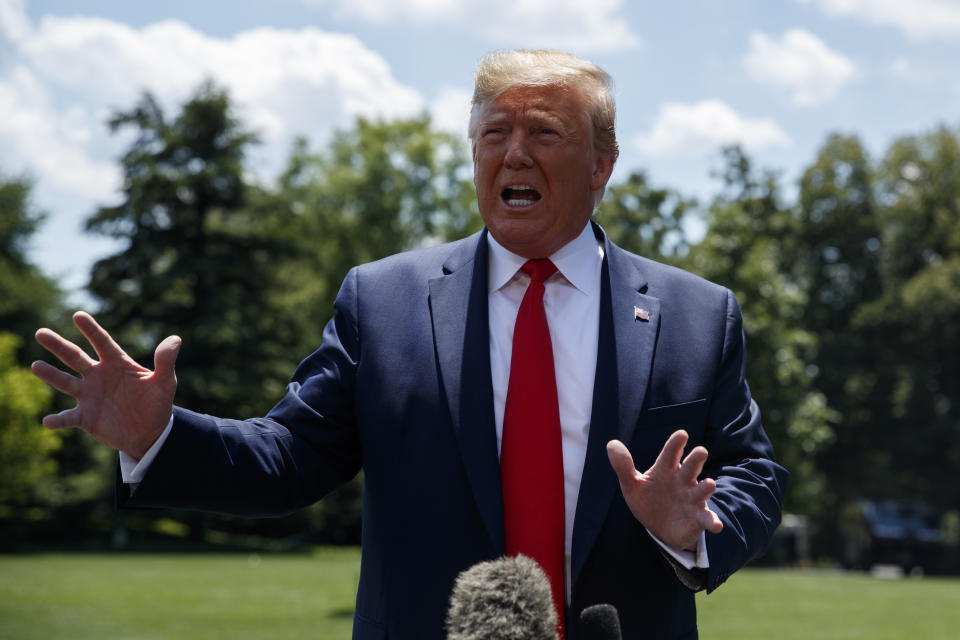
(776, 76)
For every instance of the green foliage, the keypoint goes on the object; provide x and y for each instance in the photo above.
(645, 220)
(198, 261)
(47, 479)
(28, 299)
(380, 188)
(749, 233)
(831, 254)
(246, 275)
(912, 321)
(26, 464)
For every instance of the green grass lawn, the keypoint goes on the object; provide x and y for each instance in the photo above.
(240, 596)
(815, 605)
(79, 596)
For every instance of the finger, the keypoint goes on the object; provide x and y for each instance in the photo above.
(64, 419)
(59, 380)
(703, 490)
(165, 356)
(692, 465)
(622, 462)
(672, 451)
(710, 521)
(102, 342)
(67, 352)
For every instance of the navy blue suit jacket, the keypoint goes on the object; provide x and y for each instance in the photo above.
(400, 387)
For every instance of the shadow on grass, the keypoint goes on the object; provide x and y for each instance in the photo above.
(343, 613)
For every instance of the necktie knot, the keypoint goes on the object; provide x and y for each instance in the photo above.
(539, 269)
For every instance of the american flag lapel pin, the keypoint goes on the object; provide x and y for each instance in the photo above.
(641, 314)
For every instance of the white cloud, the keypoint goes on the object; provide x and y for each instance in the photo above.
(901, 67)
(702, 128)
(450, 110)
(49, 144)
(61, 76)
(925, 77)
(288, 82)
(13, 20)
(799, 62)
(572, 25)
(71, 71)
(916, 18)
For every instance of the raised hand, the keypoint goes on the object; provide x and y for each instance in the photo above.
(668, 499)
(119, 402)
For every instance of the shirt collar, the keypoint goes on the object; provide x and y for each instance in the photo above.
(577, 261)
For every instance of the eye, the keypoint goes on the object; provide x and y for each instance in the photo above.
(546, 134)
(492, 133)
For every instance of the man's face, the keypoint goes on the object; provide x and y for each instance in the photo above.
(535, 168)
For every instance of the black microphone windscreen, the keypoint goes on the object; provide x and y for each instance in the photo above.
(504, 599)
(600, 622)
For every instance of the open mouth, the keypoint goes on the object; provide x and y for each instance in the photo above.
(520, 195)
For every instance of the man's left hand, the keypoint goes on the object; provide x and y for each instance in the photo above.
(668, 499)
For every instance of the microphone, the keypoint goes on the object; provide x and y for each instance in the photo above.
(600, 622)
(503, 599)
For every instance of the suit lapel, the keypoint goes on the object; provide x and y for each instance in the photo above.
(629, 320)
(458, 309)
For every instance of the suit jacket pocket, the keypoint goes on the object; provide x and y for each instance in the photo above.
(657, 423)
(690, 416)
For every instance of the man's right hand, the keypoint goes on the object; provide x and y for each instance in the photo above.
(119, 402)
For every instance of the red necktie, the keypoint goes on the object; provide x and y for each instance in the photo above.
(531, 455)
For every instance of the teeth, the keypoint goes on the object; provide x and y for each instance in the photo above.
(520, 195)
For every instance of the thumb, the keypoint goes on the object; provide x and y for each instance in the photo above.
(165, 356)
(622, 461)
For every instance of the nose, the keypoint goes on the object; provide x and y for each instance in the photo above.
(517, 156)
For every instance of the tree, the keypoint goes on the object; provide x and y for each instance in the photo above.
(646, 220)
(917, 366)
(380, 188)
(877, 249)
(834, 258)
(28, 298)
(749, 233)
(197, 262)
(26, 464)
(246, 275)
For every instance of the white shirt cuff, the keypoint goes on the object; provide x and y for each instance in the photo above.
(132, 470)
(688, 559)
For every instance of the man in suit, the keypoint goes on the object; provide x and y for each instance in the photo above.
(465, 459)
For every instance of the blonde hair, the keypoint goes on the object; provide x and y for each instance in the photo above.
(498, 71)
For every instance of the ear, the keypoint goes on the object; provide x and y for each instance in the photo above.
(473, 152)
(602, 169)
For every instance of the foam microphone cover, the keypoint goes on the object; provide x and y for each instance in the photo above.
(504, 599)
(600, 622)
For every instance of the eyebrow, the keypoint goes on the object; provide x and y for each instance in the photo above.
(538, 115)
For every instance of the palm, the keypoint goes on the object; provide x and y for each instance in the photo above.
(119, 402)
(668, 499)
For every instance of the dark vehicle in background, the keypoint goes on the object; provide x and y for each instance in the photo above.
(907, 535)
